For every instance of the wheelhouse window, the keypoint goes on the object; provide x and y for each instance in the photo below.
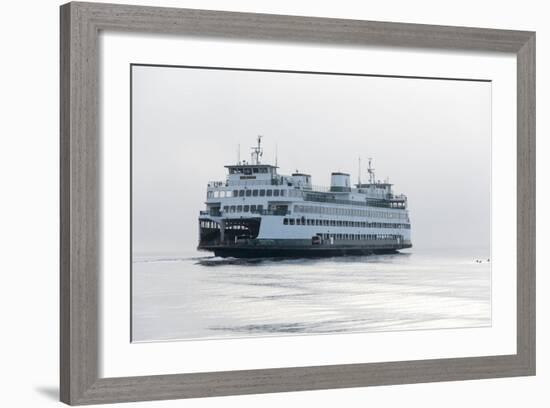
(262, 193)
(255, 193)
(248, 193)
(269, 193)
(241, 193)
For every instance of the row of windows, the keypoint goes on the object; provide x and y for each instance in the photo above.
(215, 225)
(260, 193)
(356, 212)
(242, 208)
(248, 170)
(218, 194)
(343, 223)
(360, 237)
(254, 193)
(208, 224)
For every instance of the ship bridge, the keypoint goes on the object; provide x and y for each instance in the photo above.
(250, 174)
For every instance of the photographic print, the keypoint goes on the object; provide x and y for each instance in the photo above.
(275, 203)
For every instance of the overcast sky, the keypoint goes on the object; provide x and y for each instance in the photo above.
(432, 138)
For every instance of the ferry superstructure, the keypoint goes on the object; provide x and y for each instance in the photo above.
(257, 212)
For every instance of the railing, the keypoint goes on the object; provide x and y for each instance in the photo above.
(272, 212)
(319, 189)
(328, 199)
(276, 181)
(217, 184)
(379, 203)
(269, 182)
(211, 213)
(400, 197)
(240, 213)
(369, 202)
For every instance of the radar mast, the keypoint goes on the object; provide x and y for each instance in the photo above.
(257, 151)
(370, 170)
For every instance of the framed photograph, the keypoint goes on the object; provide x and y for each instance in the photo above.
(257, 203)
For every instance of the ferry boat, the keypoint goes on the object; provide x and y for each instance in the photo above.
(256, 212)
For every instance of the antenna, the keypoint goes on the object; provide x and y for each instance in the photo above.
(372, 178)
(276, 153)
(238, 153)
(359, 172)
(257, 151)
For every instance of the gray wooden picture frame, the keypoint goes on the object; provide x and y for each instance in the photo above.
(79, 196)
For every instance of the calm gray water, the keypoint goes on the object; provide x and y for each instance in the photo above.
(196, 295)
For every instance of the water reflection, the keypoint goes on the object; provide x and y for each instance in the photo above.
(201, 296)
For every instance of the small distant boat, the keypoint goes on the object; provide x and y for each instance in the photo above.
(256, 212)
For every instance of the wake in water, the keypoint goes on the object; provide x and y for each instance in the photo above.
(160, 259)
(220, 261)
(203, 260)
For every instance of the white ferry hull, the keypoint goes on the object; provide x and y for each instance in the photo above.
(234, 242)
